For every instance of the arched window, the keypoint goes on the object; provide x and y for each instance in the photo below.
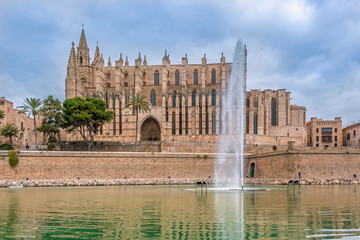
(153, 97)
(195, 76)
(174, 99)
(273, 112)
(213, 123)
(247, 122)
(255, 123)
(213, 76)
(156, 78)
(247, 102)
(173, 127)
(213, 97)
(177, 77)
(193, 98)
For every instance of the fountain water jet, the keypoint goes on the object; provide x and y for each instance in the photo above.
(228, 170)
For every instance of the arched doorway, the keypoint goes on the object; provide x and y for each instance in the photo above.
(252, 170)
(150, 130)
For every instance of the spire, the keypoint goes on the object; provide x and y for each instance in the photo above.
(97, 51)
(109, 62)
(82, 42)
(121, 59)
(72, 57)
(127, 61)
(145, 62)
(97, 54)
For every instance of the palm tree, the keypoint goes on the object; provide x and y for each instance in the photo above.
(138, 104)
(9, 131)
(32, 107)
(2, 114)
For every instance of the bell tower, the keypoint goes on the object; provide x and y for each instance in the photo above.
(83, 56)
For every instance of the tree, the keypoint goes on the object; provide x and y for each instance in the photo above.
(85, 116)
(51, 123)
(2, 114)
(32, 107)
(9, 131)
(138, 104)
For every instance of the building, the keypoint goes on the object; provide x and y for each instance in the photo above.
(351, 135)
(24, 124)
(186, 100)
(324, 133)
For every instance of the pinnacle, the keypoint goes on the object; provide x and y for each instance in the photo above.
(82, 42)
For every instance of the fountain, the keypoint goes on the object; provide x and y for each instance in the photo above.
(229, 171)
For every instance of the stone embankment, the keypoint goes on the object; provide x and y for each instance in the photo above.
(303, 181)
(97, 182)
(184, 181)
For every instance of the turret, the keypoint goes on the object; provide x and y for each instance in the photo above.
(71, 77)
(166, 59)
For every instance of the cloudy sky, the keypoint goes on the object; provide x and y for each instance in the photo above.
(310, 48)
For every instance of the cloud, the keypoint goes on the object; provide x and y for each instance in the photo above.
(308, 47)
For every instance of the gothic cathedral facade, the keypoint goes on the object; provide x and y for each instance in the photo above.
(186, 100)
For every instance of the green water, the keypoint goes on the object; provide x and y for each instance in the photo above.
(175, 212)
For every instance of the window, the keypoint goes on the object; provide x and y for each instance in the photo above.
(326, 130)
(213, 123)
(335, 145)
(173, 122)
(335, 138)
(326, 139)
(193, 98)
(247, 122)
(317, 138)
(247, 103)
(335, 130)
(348, 136)
(317, 145)
(213, 76)
(255, 123)
(153, 97)
(273, 112)
(156, 78)
(174, 99)
(195, 76)
(177, 76)
(354, 133)
(213, 97)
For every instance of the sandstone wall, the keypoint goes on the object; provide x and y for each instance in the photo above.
(317, 164)
(83, 165)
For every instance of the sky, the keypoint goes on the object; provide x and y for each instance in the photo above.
(309, 48)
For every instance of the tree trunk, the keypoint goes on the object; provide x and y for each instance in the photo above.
(136, 133)
(11, 140)
(35, 131)
(89, 146)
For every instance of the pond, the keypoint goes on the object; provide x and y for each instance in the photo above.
(180, 212)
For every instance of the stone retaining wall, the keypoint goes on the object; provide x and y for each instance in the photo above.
(101, 168)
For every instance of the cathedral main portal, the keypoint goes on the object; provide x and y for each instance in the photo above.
(150, 130)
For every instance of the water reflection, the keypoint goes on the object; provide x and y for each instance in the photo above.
(172, 212)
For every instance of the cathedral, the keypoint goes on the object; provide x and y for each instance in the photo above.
(186, 100)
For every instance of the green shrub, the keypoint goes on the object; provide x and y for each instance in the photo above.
(13, 159)
(6, 147)
(206, 156)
